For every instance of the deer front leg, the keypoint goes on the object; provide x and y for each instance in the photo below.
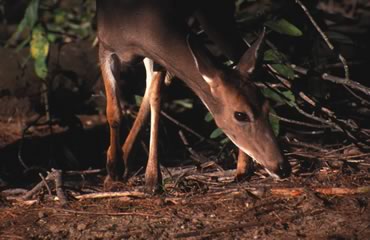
(141, 117)
(244, 166)
(139, 122)
(109, 65)
(153, 175)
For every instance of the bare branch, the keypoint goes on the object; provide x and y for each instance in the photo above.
(347, 82)
(325, 38)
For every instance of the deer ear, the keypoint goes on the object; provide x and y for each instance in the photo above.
(204, 61)
(248, 61)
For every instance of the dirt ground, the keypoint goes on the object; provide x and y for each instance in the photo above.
(329, 201)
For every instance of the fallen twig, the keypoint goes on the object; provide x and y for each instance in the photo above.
(85, 172)
(56, 177)
(59, 187)
(50, 177)
(134, 194)
(45, 183)
(339, 191)
(102, 213)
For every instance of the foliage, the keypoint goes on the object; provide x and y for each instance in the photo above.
(280, 96)
(284, 27)
(28, 22)
(278, 61)
(39, 51)
(46, 22)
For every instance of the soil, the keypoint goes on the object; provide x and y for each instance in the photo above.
(202, 202)
(326, 197)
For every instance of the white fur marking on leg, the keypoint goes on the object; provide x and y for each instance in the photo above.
(108, 70)
(149, 69)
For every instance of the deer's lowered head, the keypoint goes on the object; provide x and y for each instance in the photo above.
(239, 108)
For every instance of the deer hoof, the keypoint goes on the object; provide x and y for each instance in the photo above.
(244, 175)
(152, 186)
(125, 175)
(114, 170)
(108, 183)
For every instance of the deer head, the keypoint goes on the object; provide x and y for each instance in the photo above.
(239, 108)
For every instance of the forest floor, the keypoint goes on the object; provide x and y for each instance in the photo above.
(326, 197)
(329, 201)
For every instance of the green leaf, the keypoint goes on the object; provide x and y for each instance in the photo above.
(284, 70)
(216, 133)
(22, 44)
(52, 37)
(274, 56)
(138, 100)
(41, 69)
(268, 93)
(186, 103)
(208, 117)
(39, 43)
(39, 51)
(60, 17)
(274, 122)
(284, 27)
(29, 20)
(277, 58)
(289, 96)
(225, 140)
(339, 37)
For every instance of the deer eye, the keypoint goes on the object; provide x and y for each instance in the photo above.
(241, 117)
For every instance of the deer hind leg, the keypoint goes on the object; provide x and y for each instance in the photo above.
(141, 117)
(244, 166)
(109, 64)
(153, 175)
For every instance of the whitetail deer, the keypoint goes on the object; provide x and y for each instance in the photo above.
(129, 30)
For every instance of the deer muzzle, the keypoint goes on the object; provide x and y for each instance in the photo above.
(261, 145)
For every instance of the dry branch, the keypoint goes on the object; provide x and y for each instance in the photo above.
(103, 213)
(338, 191)
(334, 79)
(325, 38)
(52, 176)
(134, 194)
(56, 177)
(59, 187)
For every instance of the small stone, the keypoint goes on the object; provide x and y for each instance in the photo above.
(42, 221)
(54, 228)
(159, 202)
(108, 235)
(81, 226)
(41, 214)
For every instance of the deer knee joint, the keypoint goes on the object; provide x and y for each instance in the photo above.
(114, 116)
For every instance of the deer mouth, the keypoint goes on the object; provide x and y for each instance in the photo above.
(279, 169)
(283, 171)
